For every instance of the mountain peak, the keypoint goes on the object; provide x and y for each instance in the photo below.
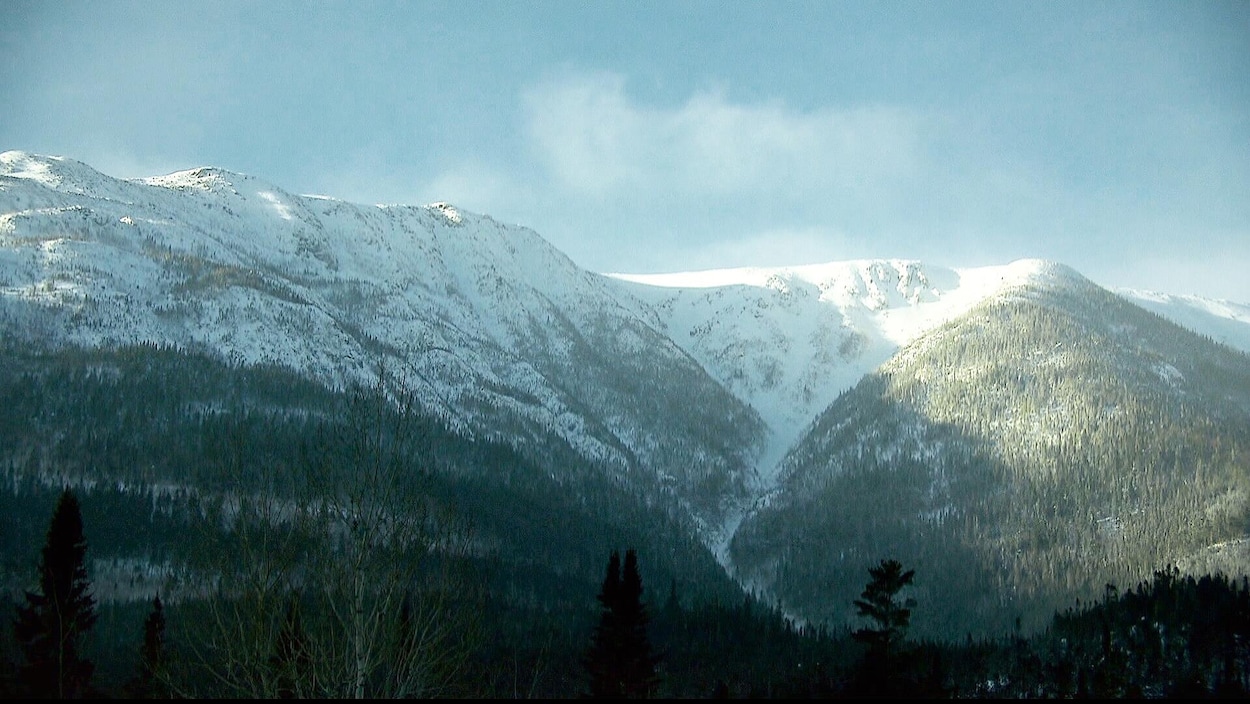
(1044, 272)
(56, 172)
(449, 212)
(208, 179)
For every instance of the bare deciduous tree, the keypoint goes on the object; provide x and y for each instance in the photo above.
(373, 559)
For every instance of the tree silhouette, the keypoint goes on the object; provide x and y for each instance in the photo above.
(147, 683)
(619, 662)
(882, 670)
(53, 624)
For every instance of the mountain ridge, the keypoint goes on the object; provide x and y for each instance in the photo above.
(1052, 440)
(703, 382)
(331, 289)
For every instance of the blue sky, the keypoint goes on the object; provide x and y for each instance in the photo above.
(661, 136)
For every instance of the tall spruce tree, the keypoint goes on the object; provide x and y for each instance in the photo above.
(602, 666)
(52, 627)
(883, 670)
(619, 662)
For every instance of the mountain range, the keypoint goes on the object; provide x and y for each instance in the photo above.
(1018, 432)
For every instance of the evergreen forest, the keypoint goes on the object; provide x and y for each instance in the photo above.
(1023, 456)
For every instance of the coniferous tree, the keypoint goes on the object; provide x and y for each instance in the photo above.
(52, 626)
(601, 663)
(640, 675)
(147, 684)
(880, 671)
(619, 661)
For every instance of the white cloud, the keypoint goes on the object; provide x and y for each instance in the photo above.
(474, 187)
(774, 247)
(1214, 271)
(623, 185)
(595, 140)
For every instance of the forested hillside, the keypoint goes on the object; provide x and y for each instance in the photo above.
(168, 449)
(1024, 455)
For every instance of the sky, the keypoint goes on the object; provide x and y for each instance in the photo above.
(651, 137)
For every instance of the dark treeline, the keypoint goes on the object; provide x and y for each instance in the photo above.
(1172, 636)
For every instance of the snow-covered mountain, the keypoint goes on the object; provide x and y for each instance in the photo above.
(788, 340)
(494, 329)
(700, 382)
(1053, 439)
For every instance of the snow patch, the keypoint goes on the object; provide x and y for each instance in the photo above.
(282, 209)
(19, 164)
(1169, 373)
(448, 211)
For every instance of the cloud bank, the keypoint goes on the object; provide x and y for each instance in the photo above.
(593, 139)
(625, 184)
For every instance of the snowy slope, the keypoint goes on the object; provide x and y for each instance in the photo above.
(199, 244)
(1224, 321)
(789, 340)
(495, 329)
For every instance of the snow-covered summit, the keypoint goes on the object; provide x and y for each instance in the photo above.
(204, 178)
(790, 339)
(493, 328)
(18, 164)
(58, 174)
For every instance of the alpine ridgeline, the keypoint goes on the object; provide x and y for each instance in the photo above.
(1017, 434)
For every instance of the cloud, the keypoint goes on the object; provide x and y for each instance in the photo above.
(592, 138)
(620, 183)
(772, 247)
(1217, 271)
(477, 187)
